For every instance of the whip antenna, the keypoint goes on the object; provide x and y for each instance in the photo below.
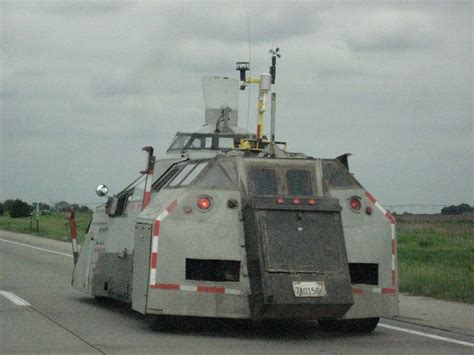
(250, 71)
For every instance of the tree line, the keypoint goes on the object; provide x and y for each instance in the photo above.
(463, 208)
(17, 208)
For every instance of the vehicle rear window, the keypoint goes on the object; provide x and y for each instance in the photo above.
(263, 181)
(335, 175)
(299, 182)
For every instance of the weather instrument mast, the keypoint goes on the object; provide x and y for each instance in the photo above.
(265, 83)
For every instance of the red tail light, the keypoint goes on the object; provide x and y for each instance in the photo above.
(368, 210)
(280, 200)
(204, 203)
(296, 201)
(355, 203)
(312, 201)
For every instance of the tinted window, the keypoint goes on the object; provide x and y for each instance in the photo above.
(193, 174)
(163, 180)
(263, 181)
(226, 142)
(299, 182)
(183, 173)
(179, 142)
(188, 174)
(201, 143)
(335, 175)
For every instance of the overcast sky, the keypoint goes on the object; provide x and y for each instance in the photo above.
(85, 85)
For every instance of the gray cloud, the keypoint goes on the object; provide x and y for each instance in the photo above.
(81, 8)
(392, 30)
(81, 95)
(228, 23)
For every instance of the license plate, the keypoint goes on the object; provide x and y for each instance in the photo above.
(309, 289)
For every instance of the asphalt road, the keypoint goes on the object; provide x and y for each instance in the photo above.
(41, 313)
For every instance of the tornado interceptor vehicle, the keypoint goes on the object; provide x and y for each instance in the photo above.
(229, 224)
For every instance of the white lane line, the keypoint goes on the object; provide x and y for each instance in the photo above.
(428, 335)
(36, 248)
(14, 298)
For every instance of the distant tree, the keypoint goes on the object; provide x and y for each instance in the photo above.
(19, 209)
(2, 210)
(457, 210)
(61, 206)
(44, 206)
(84, 209)
(75, 207)
(7, 205)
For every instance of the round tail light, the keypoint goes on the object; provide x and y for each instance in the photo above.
(355, 204)
(296, 201)
(280, 200)
(312, 201)
(204, 203)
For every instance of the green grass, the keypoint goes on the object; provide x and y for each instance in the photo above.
(436, 259)
(53, 226)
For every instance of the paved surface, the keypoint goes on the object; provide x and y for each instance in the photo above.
(58, 319)
(452, 316)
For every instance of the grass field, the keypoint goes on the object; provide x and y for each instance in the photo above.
(53, 226)
(436, 257)
(435, 253)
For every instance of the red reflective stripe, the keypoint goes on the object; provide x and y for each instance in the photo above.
(154, 259)
(146, 199)
(389, 290)
(209, 289)
(156, 228)
(370, 197)
(166, 286)
(394, 247)
(390, 218)
(172, 206)
(357, 291)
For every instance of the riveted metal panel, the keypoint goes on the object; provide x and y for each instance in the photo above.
(308, 247)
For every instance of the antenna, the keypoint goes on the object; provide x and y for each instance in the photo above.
(250, 71)
(275, 55)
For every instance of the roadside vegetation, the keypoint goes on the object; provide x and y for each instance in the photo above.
(436, 256)
(53, 225)
(43, 219)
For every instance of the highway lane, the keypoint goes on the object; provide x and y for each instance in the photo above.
(62, 320)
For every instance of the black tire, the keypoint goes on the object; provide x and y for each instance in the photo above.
(102, 300)
(358, 325)
(162, 323)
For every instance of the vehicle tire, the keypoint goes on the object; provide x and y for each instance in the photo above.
(102, 300)
(161, 323)
(358, 325)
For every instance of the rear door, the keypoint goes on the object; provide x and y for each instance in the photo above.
(141, 266)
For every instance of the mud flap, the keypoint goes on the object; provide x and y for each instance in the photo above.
(297, 259)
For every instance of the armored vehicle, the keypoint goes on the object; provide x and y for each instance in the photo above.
(229, 224)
